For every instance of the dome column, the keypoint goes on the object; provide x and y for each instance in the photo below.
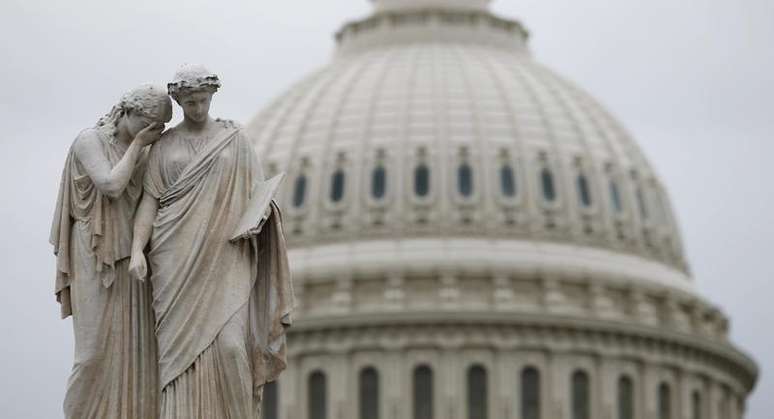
(450, 380)
(608, 385)
(394, 374)
(288, 393)
(340, 388)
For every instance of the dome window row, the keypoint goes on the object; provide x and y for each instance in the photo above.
(423, 396)
(509, 187)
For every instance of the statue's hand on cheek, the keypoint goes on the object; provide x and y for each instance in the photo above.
(149, 134)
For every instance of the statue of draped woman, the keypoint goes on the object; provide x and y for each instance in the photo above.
(114, 375)
(221, 305)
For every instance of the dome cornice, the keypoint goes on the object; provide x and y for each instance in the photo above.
(450, 331)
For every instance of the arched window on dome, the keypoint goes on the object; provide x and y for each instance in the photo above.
(547, 182)
(477, 393)
(465, 180)
(269, 402)
(584, 192)
(664, 401)
(625, 398)
(379, 182)
(508, 181)
(369, 393)
(423, 392)
(318, 396)
(581, 395)
(615, 197)
(696, 406)
(422, 180)
(338, 183)
(299, 191)
(530, 393)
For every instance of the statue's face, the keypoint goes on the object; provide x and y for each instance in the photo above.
(196, 105)
(136, 122)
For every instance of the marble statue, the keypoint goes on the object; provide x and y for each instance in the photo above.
(115, 369)
(221, 305)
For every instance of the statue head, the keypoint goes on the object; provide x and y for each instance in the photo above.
(139, 108)
(192, 88)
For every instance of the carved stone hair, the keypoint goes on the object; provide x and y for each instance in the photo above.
(192, 78)
(149, 100)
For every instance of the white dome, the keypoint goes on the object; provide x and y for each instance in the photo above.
(419, 98)
(452, 203)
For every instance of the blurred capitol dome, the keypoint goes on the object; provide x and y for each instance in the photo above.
(474, 237)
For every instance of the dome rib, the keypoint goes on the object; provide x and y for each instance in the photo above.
(589, 164)
(296, 96)
(361, 178)
(554, 160)
(479, 136)
(329, 159)
(496, 71)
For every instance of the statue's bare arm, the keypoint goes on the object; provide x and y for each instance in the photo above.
(143, 227)
(112, 180)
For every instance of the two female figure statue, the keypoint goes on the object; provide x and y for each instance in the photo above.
(172, 318)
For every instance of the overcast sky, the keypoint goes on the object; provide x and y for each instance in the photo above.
(693, 80)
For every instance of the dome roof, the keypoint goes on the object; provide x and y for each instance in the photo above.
(435, 128)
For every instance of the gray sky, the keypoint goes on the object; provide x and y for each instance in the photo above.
(693, 80)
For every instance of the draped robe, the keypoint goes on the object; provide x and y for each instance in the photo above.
(114, 374)
(221, 307)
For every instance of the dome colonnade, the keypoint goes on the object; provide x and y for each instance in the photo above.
(472, 236)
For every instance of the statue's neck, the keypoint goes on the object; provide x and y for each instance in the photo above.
(196, 126)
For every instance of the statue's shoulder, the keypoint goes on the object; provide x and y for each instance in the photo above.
(236, 128)
(88, 135)
(88, 141)
(228, 124)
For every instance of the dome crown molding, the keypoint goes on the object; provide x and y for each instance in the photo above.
(403, 5)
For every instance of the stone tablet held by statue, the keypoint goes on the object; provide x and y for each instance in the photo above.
(258, 209)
